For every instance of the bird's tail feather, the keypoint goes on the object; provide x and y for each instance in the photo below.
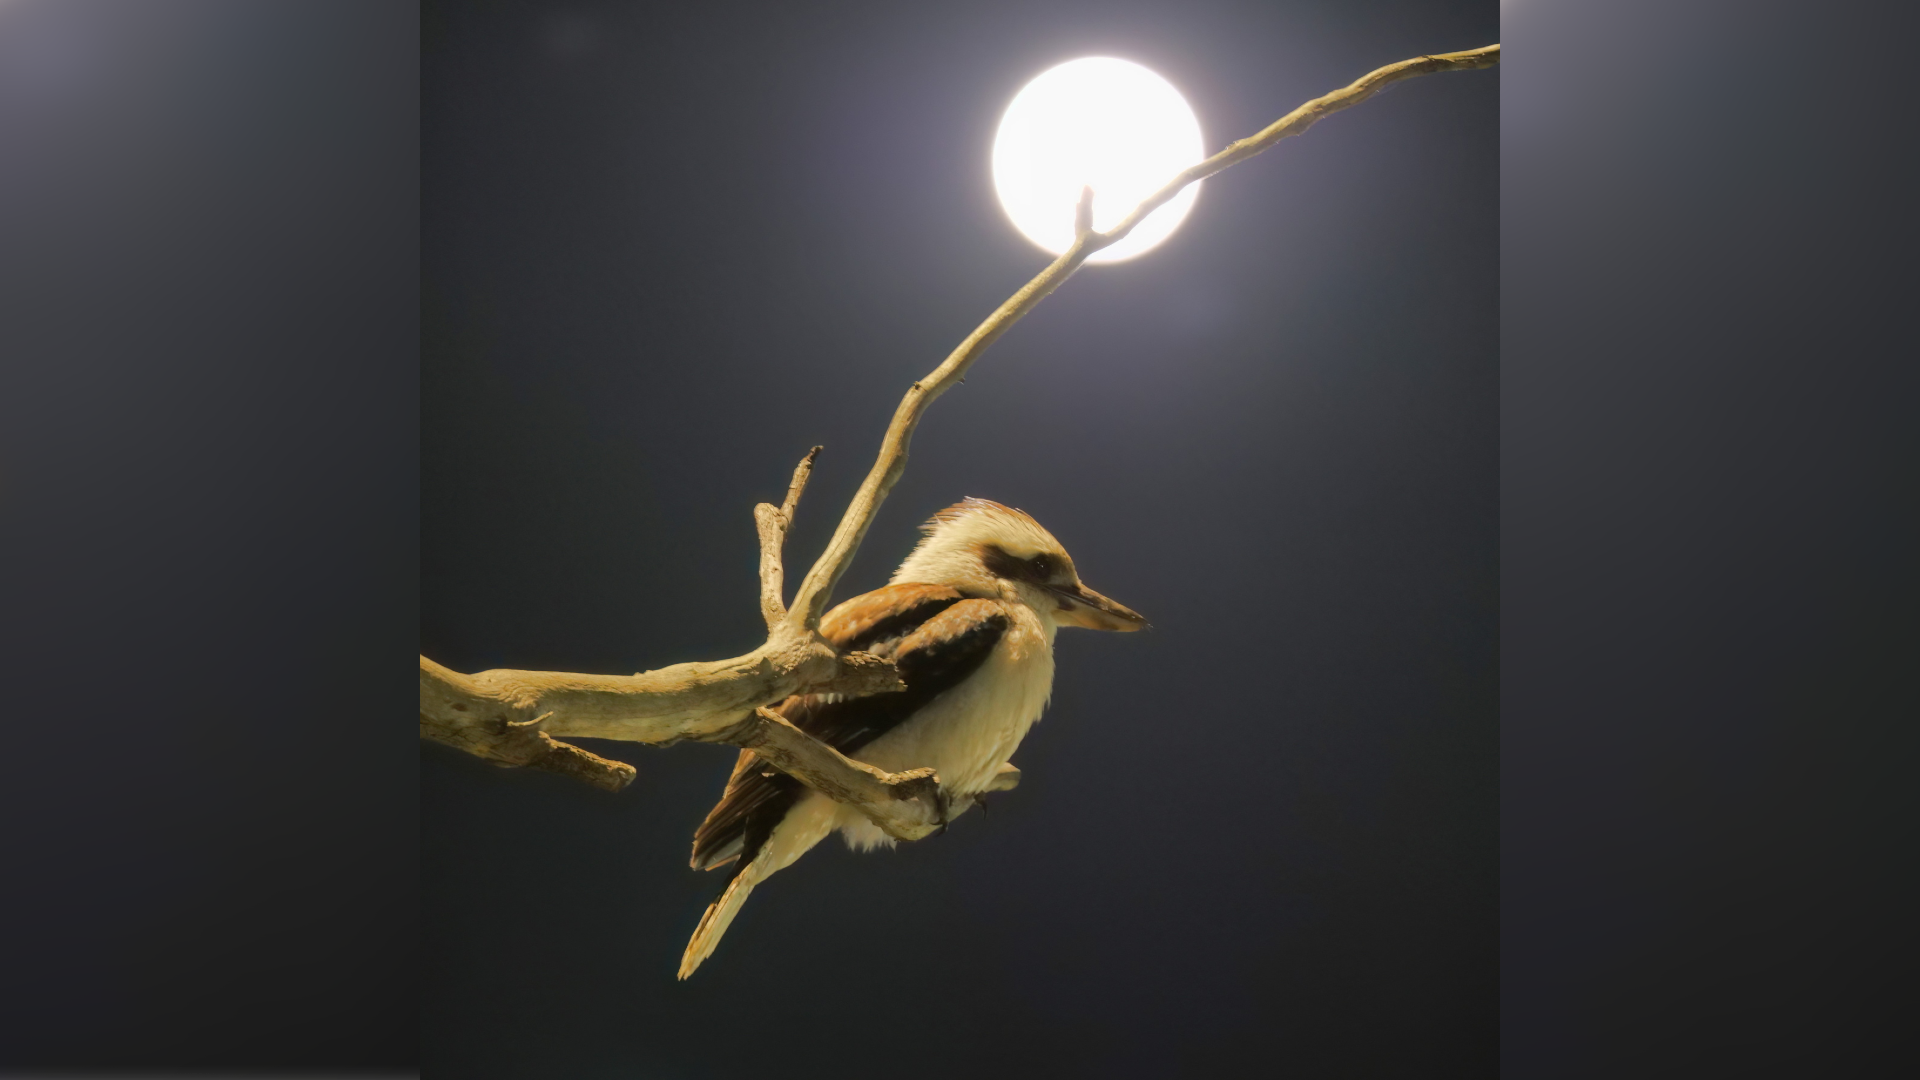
(806, 824)
(719, 916)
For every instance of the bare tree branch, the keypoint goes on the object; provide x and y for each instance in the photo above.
(685, 701)
(906, 805)
(811, 603)
(511, 716)
(1298, 121)
(773, 522)
(505, 741)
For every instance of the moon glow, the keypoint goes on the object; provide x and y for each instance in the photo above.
(1101, 122)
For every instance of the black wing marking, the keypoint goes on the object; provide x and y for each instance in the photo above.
(932, 660)
(879, 619)
(934, 636)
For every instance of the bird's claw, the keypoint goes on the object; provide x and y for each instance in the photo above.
(943, 807)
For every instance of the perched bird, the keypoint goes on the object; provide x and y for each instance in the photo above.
(969, 620)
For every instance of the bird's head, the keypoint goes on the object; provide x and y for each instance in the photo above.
(985, 549)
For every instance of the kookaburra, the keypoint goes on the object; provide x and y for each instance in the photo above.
(969, 620)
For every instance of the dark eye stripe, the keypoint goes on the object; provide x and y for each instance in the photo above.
(1035, 571)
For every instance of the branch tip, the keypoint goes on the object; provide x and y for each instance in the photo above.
(772, 523)
(811, 601)
(801, 474)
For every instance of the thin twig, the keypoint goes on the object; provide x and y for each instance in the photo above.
(773, 523)
(1299, 120)
(801, 473)
(817, 588)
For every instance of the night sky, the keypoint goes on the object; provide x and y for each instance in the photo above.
(666, 251)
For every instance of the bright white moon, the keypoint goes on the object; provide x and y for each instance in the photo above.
(1107, 123)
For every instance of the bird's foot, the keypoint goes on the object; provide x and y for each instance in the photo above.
(942, 806)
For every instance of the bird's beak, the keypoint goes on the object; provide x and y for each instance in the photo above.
(1081, 606)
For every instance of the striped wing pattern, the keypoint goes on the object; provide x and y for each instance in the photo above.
(936, 637)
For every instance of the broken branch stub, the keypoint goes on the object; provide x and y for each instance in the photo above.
(773, 522)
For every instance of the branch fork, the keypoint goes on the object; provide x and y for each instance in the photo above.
(512, 717)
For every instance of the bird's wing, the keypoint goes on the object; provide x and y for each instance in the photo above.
(933, 635)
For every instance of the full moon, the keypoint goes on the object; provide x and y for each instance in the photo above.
(1100, 122)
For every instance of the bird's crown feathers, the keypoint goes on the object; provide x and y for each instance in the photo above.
(957, 536)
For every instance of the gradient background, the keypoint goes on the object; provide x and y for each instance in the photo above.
(209, 541)
(666, 251)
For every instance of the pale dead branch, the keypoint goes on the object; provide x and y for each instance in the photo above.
(773, 522)
(905, 805)
(513, 717)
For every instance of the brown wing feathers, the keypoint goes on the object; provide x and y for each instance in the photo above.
(885, 615)
(935, 636)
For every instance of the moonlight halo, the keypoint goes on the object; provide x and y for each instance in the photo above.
(1102, 122)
